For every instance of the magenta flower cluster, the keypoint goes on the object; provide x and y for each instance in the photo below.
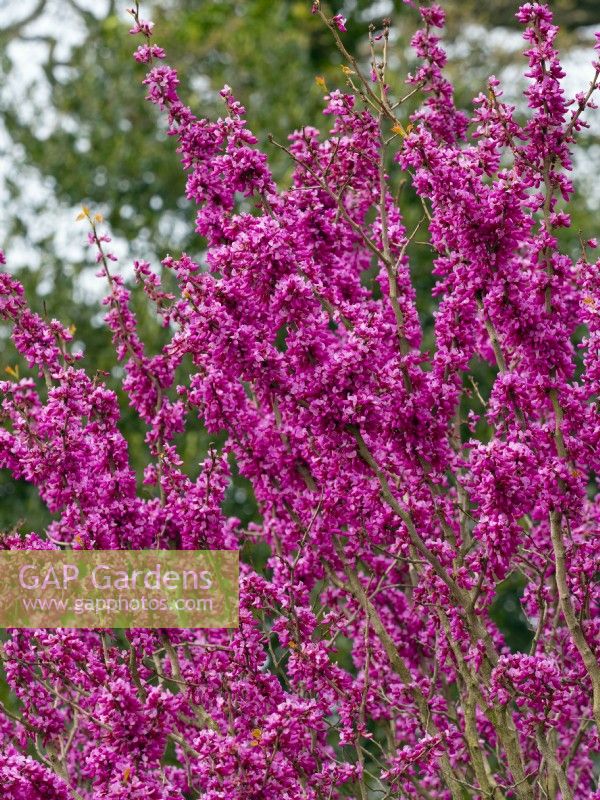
(395, 493)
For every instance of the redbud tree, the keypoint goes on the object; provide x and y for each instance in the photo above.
(395, 494)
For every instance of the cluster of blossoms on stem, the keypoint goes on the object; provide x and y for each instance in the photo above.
(366, 662)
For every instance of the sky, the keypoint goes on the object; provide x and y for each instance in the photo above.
(28, 90)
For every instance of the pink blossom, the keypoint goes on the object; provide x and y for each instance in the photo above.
(340, 22)
(394, 492)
